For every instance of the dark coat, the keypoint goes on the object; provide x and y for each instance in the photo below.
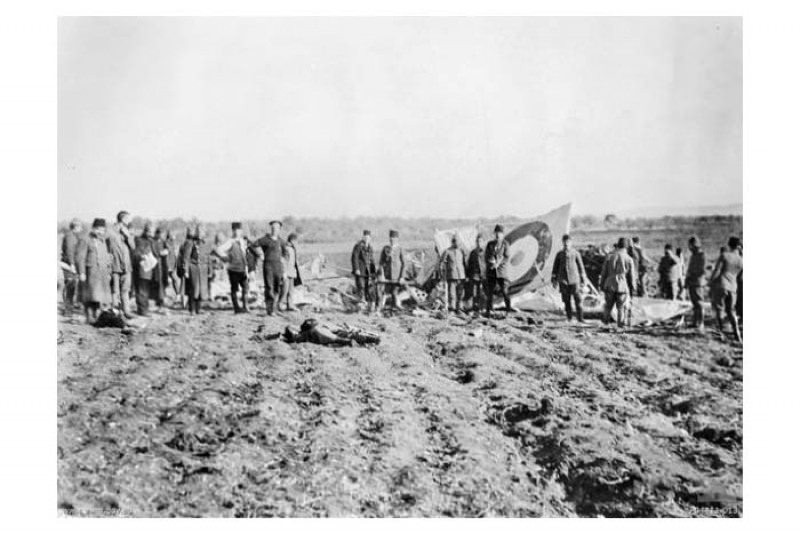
(476, 264)
(497, 256)
(94, 261)
(195, 259)
(363, 260)
(392, 263)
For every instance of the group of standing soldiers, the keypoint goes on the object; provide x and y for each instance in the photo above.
(623, 276)
(108, 265)
(471, 281)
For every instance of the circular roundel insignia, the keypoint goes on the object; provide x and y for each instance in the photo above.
(529, 247)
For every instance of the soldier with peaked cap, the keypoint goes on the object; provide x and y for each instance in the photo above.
(391, 269)
(696, 280)
(273, 251)
(497, 265)
(233, 252)
(362, 261)
(93, 264)
(618, 281)
(69, 248)
(194, 263)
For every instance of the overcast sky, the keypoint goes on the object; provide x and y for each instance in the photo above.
(256, 118)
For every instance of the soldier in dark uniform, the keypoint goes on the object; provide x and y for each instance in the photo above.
(194, 265)
(476, 275)
(497, 257)
(273, 250)
(391, 269)
(362, 260)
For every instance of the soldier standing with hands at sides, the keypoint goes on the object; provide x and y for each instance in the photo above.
(696, 280)
(497, 257)
(391, 269)
(476, 275)
(121, 245)
(273, 250)
(453, 266)
(362, 260)
(234, 253)
(69, 247)
(93, 264)
(724, 286)
(569, 276)
(194, 266)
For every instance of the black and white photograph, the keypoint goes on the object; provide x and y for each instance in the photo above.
(427, 267)
(430, 266)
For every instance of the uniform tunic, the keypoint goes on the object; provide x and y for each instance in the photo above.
(454, 264)
(497, 256)
(392, 263)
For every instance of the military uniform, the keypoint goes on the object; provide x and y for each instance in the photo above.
(274, 252)
(453, 265)
(497, 257)
(695, 282)
(618, 281)
(69, 249)
(476, 277)
(569, 274)
(93, 263)
(362, 261)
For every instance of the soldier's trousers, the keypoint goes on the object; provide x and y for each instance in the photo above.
(454, 294)
(493, 282)
(696, 297)
(569, 293)
(273, 282)
(121, 290)
(364, 288)
(238, 282)
(618, 300)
